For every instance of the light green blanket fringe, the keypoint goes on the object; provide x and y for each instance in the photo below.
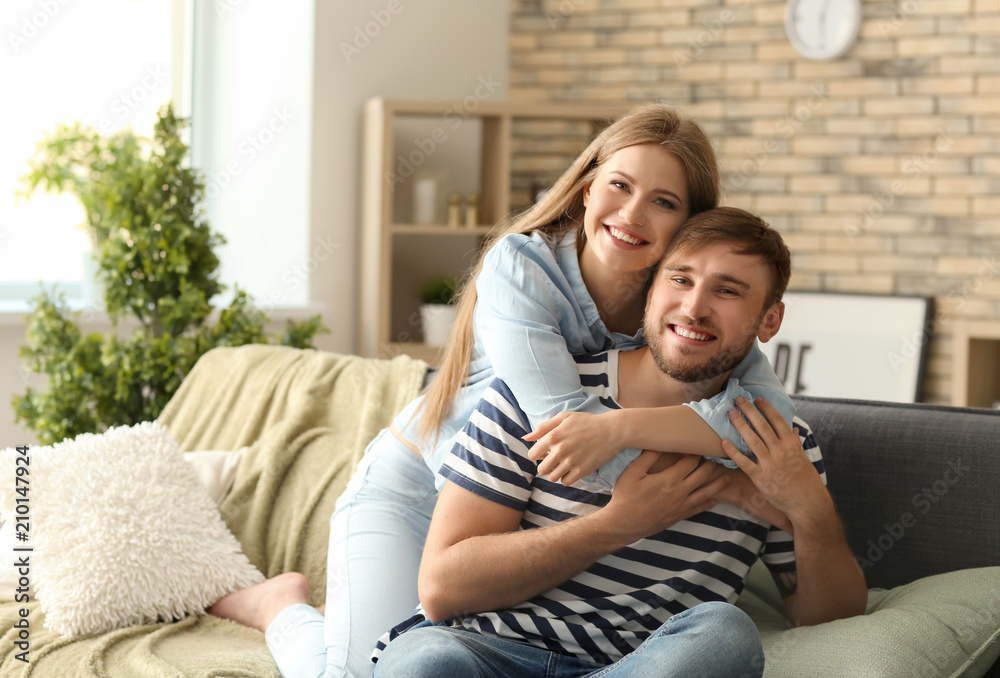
(307, 417)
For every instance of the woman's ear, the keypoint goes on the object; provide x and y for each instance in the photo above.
(586, 193)
(771, 322)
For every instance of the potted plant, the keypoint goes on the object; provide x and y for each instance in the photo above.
(437, 310)
(158, 268)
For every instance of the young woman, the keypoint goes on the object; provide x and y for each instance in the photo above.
(568, 276)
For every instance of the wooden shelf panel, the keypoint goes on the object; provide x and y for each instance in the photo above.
(976, 375)
(438, 229)
(429, 354)
(404, 137)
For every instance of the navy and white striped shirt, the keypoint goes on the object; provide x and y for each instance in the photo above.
(609, 609)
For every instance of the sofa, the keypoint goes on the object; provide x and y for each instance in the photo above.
(912, 483)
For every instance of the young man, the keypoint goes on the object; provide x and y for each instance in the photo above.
(523, 576)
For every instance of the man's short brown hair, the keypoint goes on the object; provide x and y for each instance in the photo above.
(749, 234)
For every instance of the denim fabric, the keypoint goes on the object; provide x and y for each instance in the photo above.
(712, 639)
(376, 538)
(533, 312)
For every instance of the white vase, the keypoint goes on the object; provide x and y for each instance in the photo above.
(436, 320)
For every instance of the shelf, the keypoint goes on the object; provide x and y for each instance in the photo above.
(438, 229)
(430, 354)
(468, 153)
(976, 376)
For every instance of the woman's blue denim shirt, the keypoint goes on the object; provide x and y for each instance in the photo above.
(533, 313)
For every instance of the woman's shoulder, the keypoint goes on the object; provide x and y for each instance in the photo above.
(529, 263)
(533, 246)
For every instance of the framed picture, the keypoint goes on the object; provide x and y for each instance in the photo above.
(863, 346)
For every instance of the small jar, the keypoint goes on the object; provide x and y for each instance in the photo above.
(471, 210)
(454, 210)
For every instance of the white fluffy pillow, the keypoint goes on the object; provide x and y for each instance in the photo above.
(123, 532)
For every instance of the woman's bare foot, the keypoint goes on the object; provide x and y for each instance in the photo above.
(258, 605)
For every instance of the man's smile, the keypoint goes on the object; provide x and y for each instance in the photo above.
(690, 333)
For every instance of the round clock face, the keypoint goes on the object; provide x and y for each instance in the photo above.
(822, 29)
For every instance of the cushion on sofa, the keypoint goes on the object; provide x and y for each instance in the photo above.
(123, 532)
(307, 416)
(943, 625)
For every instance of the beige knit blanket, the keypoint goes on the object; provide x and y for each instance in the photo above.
(307, 417)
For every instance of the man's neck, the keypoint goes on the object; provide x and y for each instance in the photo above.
(642, 384)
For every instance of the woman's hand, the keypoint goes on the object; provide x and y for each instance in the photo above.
(574, 444)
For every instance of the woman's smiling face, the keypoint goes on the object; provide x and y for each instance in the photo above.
(634, 206)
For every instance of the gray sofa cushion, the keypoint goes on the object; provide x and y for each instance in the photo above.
(914, 484)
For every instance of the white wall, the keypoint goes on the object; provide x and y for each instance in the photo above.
(431, 49)
(251, 124)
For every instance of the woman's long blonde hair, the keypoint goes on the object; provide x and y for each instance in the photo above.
(561, 210)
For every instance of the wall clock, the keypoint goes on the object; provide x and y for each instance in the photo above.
(822, 29)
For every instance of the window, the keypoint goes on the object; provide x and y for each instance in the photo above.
(105, 63)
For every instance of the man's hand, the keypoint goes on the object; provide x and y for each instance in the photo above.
(744, 495)
(783, 473)
(827, 583)
(477, 559)
(574, 444)
(644, 503)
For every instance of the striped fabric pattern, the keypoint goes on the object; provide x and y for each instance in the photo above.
(607, 610)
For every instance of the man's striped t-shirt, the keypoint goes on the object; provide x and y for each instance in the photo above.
(606, 611)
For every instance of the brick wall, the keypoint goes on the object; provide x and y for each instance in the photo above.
(881, 168)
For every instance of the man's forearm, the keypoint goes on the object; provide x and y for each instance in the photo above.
(498, 571)
(828, 584)
(476, 558)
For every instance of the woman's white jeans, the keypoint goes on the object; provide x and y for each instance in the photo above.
(386, 509)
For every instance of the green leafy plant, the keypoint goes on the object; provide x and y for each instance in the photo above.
(439, 290)
(157, 266)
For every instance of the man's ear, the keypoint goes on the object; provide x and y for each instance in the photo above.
(771, 322)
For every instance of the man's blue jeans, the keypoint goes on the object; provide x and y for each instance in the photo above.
(711, 640)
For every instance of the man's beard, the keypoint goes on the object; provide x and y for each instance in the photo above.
(688, 373)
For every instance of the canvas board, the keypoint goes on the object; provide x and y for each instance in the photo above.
(862, 346)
